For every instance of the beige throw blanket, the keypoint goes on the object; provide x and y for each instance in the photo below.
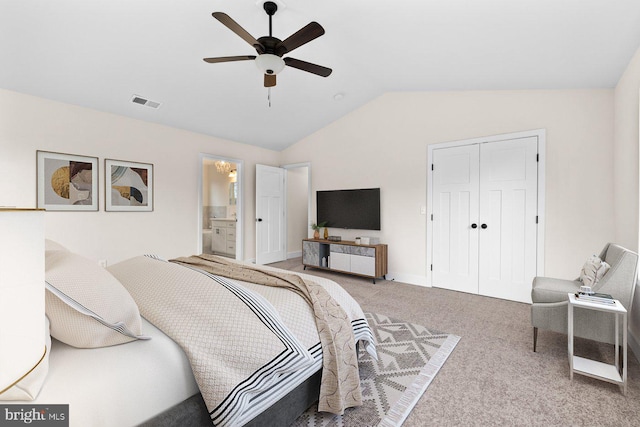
(340, 387)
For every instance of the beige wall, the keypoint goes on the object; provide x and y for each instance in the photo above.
(626, 155)
(384, 144)
(28, 124)
(626, 173)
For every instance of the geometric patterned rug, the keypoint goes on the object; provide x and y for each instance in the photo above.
(409, 357)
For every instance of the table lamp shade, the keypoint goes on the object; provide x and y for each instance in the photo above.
(22, 339)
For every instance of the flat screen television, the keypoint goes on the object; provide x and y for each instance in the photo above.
(354, 209)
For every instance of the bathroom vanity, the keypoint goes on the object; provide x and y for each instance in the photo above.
(223, 236)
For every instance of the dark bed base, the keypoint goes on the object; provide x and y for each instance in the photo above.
(193, 411)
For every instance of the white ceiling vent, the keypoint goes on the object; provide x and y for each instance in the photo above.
(142, 101)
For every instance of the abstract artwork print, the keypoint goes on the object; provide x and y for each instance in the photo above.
(67, 182)
(129, 186)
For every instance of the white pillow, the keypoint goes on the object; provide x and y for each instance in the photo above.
(86, 305)
(593, 270)
(50, 246)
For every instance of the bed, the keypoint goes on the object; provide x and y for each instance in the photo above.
(259, 363)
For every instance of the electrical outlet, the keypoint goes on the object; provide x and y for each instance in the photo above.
(102, 263)
(423, 210)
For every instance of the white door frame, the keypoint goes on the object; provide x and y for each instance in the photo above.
(286, 183)
(239, 205)
(541, 135)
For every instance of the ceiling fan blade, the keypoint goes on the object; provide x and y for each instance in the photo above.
(302, 36)
(269, 80)
(308, 67)
(236, 28)
(229, 59)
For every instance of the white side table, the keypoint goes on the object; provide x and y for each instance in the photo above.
(593, 368)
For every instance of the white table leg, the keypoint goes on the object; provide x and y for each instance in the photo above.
(617, 340)
(624, 353)
(570, 340)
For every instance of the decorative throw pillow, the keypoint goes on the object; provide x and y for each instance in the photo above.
(593, 270)
(86, 305)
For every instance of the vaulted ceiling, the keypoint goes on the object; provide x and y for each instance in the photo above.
(100, 53)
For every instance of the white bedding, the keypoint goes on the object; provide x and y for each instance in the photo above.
(244, 347)
(128, 384)
(119, 386)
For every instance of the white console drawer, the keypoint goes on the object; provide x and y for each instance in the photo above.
(340, 261)
(363, 265)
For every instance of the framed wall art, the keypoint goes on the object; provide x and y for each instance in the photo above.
(66, 182)
(129, 186)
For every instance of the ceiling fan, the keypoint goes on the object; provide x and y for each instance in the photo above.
(271, 49)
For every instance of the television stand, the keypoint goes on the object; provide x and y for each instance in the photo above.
(346, 257)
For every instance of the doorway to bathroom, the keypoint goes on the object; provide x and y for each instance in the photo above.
(220, 210)
(298, 206)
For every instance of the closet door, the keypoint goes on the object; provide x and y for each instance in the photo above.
(484, 233)
(508, 209)
(455, 208)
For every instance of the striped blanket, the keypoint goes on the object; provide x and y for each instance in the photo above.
(241, 338)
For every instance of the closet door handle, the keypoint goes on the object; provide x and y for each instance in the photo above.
(484, 226)
(259, 220)
(474, 225)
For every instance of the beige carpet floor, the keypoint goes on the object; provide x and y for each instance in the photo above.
(493, 377)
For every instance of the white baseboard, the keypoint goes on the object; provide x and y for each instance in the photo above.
(408, 278)
(297, 254)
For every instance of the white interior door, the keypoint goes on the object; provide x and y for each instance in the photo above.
(508, 209)
(484, 199)
(455, 209)
(270, 214)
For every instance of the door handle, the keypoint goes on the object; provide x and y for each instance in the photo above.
(474, 225)
(259, 220)
(484, 226)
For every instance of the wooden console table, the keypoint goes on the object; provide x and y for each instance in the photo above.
(346, 257)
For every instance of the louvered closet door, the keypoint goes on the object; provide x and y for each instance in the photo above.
(508, 208)
(455, 207)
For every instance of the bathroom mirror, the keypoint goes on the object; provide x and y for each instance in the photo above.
(233, 193)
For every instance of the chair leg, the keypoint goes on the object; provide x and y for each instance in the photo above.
(535, 338)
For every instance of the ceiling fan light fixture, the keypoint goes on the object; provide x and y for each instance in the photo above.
(269, 64)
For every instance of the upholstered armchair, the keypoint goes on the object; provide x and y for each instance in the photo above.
(549, 296)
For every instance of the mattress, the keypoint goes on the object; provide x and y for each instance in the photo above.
(122, 385)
